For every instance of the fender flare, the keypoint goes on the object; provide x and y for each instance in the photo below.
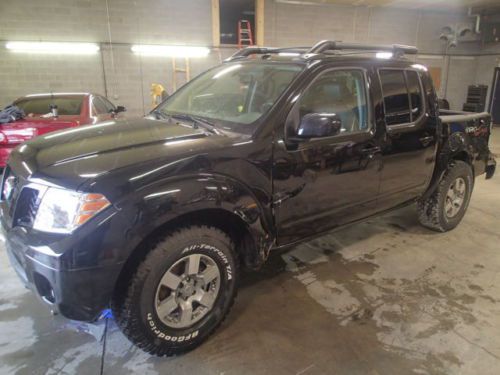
(455, 147)
(162, 202)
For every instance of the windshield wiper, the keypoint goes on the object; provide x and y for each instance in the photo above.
(198, 122)
(160, 114)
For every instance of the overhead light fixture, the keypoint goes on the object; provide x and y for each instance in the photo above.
(170, 51)
(383, 55)
(54, 48)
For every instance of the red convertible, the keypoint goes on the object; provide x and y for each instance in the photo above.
(50, 112)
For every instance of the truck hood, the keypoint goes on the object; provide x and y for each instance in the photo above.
(72, 156)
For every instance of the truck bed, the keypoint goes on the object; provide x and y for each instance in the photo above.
(469, 131)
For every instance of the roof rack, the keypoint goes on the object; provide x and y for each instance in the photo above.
(245, 52)
(332, 45)
(326, 46)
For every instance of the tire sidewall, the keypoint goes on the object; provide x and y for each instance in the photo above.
(463, 170)
(169, 337)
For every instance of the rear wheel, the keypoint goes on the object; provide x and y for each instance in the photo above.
(180, 293)
(446, 207)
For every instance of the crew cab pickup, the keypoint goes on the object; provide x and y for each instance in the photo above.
(50, 112)
(154, 217)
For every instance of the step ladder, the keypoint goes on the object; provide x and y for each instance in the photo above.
(244, 34)
(176, 70)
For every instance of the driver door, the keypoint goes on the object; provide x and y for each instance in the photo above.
(321, 183)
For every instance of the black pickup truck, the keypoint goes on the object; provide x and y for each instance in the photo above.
(154, 217)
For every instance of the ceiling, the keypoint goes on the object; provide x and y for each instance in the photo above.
(409, 4)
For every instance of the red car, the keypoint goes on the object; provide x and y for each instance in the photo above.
(50, 112)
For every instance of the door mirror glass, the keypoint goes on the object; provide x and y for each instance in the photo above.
(318, 125)
(120, 108)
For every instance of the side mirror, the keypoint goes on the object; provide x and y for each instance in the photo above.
(319, 125)
(120, 108)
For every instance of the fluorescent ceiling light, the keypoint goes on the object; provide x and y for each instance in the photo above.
(55, 48)
(383, 55)
(170, 51)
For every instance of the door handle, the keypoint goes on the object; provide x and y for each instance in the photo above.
(426, 140)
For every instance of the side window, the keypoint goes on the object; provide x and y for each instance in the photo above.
(342, 92)
(396, 99)
(109, 106)
(415, 94)
(98, 106)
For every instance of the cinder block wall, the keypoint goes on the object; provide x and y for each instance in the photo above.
(127, 77)
(288, 24)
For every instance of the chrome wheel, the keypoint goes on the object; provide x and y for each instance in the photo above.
(187, 291)
(455, 197)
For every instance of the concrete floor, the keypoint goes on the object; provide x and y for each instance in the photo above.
(382, 297)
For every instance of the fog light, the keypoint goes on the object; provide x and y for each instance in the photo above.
(44, 288)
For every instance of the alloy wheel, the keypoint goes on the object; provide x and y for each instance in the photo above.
(455, 197)
(187, 291)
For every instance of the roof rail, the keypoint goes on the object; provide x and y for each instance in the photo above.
(325, 46)
(245, 52)
(331, 45)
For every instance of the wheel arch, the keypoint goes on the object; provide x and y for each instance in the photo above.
(455, 149)
(217, 202)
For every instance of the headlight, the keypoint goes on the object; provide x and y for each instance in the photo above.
(62, 211)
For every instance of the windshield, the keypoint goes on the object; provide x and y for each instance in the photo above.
(40, 106)
(234, 96)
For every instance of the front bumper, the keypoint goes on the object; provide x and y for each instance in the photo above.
(77, 293)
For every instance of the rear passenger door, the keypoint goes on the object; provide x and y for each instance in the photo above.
(409, 148)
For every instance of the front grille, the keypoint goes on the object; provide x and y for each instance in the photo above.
(21, 201)
(10, 190)
(26, 207)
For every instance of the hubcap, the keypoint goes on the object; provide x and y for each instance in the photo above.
(187, 291)
(455, 197)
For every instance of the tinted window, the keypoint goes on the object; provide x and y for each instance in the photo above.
(396, 101)
(109, 106)
(415, 93)
(99, 106)
(40, 106)
(233, 95)
(341, 92)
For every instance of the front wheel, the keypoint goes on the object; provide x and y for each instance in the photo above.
(180, 293)
(446, 207)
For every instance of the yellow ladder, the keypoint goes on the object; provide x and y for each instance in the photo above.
(176, 70)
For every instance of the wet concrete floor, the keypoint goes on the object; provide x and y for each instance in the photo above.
(382, 297)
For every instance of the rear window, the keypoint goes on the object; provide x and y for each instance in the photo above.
(396, 99)
(415, 94)
(40, 106)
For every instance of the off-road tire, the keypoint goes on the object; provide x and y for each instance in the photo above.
(134, 309)
(431, 211)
